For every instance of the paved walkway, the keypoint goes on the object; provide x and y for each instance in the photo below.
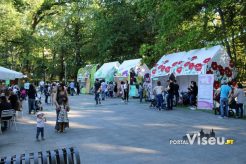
(115, 132)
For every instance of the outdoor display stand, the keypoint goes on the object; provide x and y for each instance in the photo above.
(186, 66)
(85, 77)
(107, 71)
(133, 71)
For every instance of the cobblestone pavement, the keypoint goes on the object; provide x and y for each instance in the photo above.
(114, 132)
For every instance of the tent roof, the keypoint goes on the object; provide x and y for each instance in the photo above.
(193, 62)
(128, 64)
(8, 74)
(106, 68)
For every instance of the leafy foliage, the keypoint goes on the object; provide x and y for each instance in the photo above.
(42, 38)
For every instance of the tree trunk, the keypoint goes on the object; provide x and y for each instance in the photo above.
(228, 48)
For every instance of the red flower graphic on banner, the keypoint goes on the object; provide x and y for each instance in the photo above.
(231, 64)
(193, 58)
(165, 62)
(174, 64)
(191, 66)
(228, 72)
(167, 69)
(179, 69)
(163, 68)
(198, 67)
(222, 71)
(206, 60)
(209, 72)
(216, 84)
(220, 67)
(214, 65)
(154, 71)
(187, 64)
(159, 67)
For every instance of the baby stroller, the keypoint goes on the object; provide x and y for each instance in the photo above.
(38, 104)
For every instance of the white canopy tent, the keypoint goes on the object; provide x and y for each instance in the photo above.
(186, 66)
(8, 74)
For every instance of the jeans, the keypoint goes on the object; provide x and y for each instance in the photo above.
(223, 104)
(239, 107)
(97, 97)
(103, 95)
(126, 95)
(141, 96)
(46, 99)
(40, 130)
(170, 101)
(159, 98)
(192, 99)
(31, 105)
(111, 94)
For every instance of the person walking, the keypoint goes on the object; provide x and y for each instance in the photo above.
(46, 93)
(157, 91)
(63, 116)
(71, 86)
(140, 91)
(40, 125)
(239, 95)
(104, 90)
(126, 91)
(32, 93)
(97, 90)
(225, 92)
(170, 91)
(59, 98)
(111, 89)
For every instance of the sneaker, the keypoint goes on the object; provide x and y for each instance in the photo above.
(37, 140)
(43, 139)
(220, 117)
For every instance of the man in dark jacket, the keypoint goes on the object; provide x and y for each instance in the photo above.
(176, 92)
(170, 90)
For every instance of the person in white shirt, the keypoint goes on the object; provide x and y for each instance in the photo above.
(239, 95)
(158, 90)
(40, 125)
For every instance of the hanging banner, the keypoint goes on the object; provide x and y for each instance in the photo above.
(205, 91)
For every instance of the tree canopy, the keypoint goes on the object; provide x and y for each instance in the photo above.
(42, 37)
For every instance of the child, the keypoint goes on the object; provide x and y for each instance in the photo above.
(62, 116)
(40, 125)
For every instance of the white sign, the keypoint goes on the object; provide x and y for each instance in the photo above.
(205, 91)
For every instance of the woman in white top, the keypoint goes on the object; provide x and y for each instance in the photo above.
(239, 95)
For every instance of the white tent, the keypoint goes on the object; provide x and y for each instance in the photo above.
(187, 65)
(8, 74)
(107, 71)
(136, 65)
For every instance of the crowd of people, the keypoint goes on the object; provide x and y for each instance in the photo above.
(165, 97)
(12, 98)
(230, 97)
